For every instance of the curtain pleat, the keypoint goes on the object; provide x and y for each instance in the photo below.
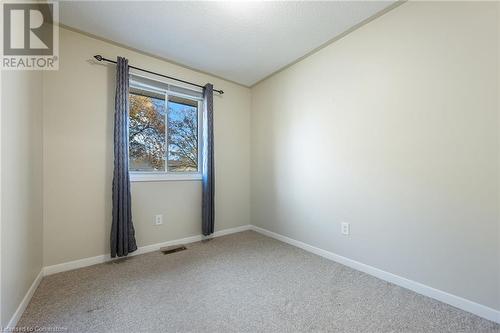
(122, 229)
(208, 170)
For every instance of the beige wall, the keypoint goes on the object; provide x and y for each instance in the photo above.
(78, 157)
(393, 128)
(21, 174)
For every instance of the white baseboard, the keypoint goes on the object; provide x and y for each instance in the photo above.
(456, 301)
(26, 300)
(67, 266)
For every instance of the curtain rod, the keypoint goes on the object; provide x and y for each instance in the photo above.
(101, 58)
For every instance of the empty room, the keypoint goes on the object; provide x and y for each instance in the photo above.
(250, 166)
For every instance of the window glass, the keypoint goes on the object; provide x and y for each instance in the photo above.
(146, 131)
(182, 134)
(163, 129)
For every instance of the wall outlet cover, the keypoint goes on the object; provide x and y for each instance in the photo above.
(345, 228)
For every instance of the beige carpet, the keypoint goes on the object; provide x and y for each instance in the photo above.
(244, 282)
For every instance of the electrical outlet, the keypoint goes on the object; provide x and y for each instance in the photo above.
(158, 220)
(345, 228)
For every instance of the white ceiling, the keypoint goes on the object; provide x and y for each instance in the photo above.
(240, 41)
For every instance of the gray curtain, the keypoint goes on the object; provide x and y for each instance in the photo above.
(122, 229)
(208, 179)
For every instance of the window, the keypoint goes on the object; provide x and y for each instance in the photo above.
(164, 133)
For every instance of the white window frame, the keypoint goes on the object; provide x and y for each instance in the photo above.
(155, 176)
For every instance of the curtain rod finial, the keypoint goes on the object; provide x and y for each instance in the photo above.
(98, 57)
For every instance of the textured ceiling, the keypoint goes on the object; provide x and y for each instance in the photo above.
(239, 41)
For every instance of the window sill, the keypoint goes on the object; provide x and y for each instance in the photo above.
(160, 177)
